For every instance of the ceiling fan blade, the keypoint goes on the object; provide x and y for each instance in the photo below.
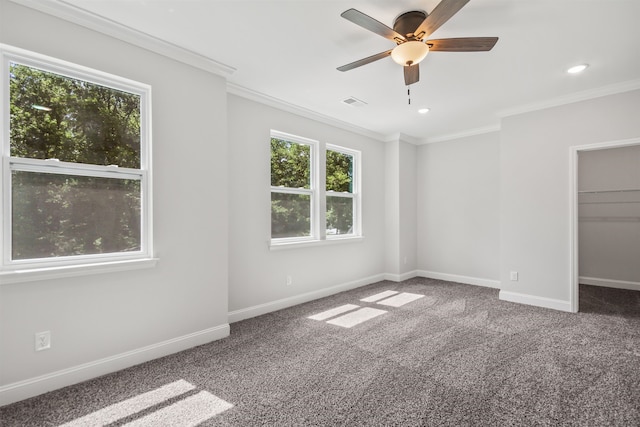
(365, 61)
(365, 21)
(411, 74)
(462, 44)
(441, 14)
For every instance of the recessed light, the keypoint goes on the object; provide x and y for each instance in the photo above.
(423, 110)
(577, 69)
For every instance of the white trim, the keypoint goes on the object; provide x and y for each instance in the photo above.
(610, 283)
(574, 287)
(260, 309)
(401, 137)
(271, 101)
(76, 15)
(488, 283)
(342, 239)
(554, 304)
(401, 277)
(34, 386)
(53, 166)
(573, 97)
(461, 134)
(34, 274)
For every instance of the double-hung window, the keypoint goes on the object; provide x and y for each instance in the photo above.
(315, 193)
(294, 188)
(75, 165)
(342, 207)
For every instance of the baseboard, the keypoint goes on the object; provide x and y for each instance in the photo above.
(258, 310)
(609, 283)
(554, 304)
(488, 283)
(34, 386)
(401, 277)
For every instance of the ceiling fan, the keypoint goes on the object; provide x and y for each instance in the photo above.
(410, 31)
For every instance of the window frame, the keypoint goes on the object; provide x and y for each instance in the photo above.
(312, 191)
(354, 195)
(47, 267)
(319, 195)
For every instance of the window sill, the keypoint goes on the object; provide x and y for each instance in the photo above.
(314, 243)
(34, 274)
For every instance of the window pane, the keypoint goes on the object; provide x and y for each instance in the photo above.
(339, 172)
(290, 215)
(290, 164)
(58, 117)
(62, 215)
(339, 215)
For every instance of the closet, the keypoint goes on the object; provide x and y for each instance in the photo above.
(609, 217)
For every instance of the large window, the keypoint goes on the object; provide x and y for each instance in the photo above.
(75, 176)
(314, 190)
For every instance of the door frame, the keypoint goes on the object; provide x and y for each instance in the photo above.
(574, 274)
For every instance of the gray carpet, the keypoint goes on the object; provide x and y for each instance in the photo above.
(456, 357)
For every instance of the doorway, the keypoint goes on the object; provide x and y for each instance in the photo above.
(593, 201)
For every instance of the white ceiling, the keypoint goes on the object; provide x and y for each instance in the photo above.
(288, 50)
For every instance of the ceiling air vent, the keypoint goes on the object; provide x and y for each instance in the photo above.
(354, 102)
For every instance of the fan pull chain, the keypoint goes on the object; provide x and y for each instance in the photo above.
(409, 94)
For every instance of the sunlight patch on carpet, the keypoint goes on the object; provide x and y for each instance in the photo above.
(188, 412)
(400, 299)
(378, 297)
(333, 312)
(203, 404)
(356, 317)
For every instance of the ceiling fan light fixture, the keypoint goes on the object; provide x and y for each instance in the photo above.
(410, 53)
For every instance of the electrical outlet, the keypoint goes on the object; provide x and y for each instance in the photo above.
(289, 281)
(43, 340)
(513, 276)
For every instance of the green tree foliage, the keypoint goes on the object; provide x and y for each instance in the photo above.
(290, 164)
(57, 117)
(339, 179)
(291, 168)
(339, 171)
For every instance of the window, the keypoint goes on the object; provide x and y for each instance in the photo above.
(293, 187)
(75, 178)
(341, 198)
(310, 203)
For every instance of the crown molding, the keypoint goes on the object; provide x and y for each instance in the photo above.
(585, 95)
(261, 98)
(79, 16)
(403, 138)
(461, 134)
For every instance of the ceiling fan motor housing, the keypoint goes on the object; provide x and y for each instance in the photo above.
(408, 22)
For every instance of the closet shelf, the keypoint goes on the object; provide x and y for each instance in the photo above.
(613, 202)
(622, 190)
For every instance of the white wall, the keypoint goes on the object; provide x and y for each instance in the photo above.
(400, 209)
(105, 315)
(458, 209)
(535, 189)
(609, 226)
(407, 233)
(257, 275)
(392, 208)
